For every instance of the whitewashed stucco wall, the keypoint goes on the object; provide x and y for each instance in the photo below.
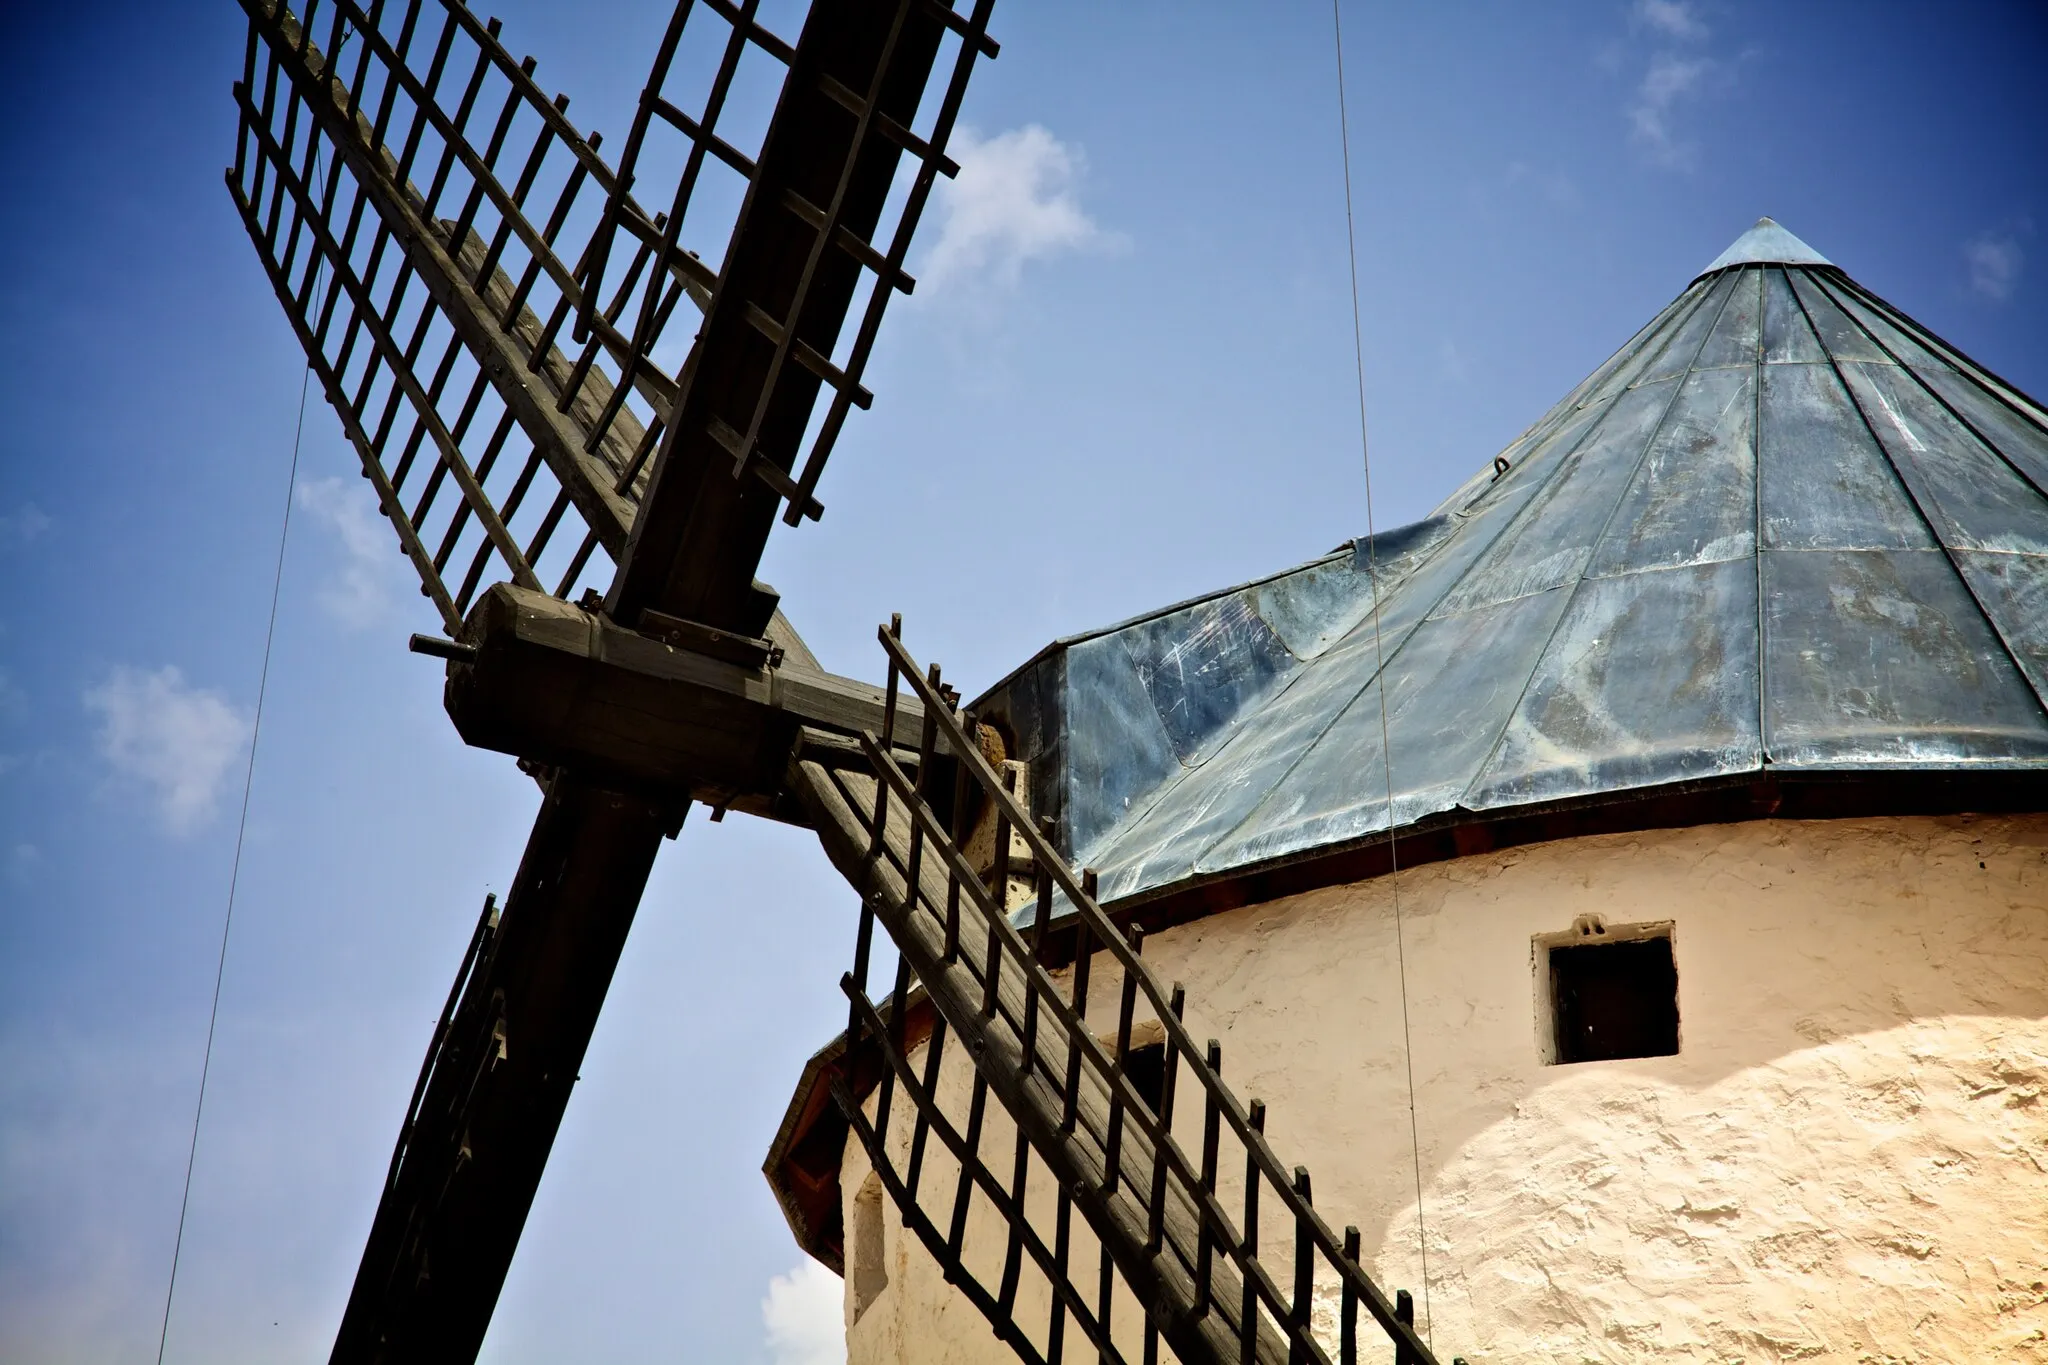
(1846, 1161)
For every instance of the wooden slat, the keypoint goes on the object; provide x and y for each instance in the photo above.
(366, 450)
(840, 802)
(451, 1214)
(584, 475)
(394, 356)
(701, 533)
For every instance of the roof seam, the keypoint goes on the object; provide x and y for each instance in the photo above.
(1379, 671)
(1933, 515)
(1230, 731)
(1562, 411)
(1834, 365)
(1999, 387)
(1070, 786)
(1756, 505)
(1947, 406)
(1593, 549)
(1082, 637)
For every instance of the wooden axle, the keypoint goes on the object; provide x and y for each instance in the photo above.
(563, 687)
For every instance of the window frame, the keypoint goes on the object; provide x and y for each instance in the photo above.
(1589, 931)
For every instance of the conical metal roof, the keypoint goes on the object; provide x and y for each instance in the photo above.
(1784, 529)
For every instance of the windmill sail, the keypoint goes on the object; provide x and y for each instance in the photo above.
(430, 304)
(532, 418)
(583, 452)
(1095, 1199)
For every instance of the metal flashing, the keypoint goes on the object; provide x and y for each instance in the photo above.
(1767, 243)
(1784, 529)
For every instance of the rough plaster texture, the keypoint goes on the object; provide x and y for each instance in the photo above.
(1846, 1161)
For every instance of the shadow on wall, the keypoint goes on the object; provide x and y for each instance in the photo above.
(1878, 1197)
(1863, 1047)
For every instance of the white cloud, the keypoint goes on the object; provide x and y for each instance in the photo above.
(1994, 259)
(22, 861)
(1014, 201)
(358, 591)
(1672, 18)
(806, 1317)
(23, 527)
(178, 743)
(1670, 78)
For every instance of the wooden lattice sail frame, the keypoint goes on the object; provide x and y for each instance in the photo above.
(582, 451)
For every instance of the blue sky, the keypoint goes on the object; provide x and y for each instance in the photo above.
(1129, 379)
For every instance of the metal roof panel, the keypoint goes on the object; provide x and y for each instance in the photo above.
(1784, 527)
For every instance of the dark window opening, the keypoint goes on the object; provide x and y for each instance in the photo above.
(1614, 1000)
(1145, 1067)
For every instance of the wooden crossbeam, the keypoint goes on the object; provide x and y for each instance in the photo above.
(701, 530)
(565, 687)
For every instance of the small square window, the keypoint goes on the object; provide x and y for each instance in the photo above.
(1613, 994)
(1146, 1069)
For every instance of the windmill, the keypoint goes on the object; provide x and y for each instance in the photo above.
(582, 404)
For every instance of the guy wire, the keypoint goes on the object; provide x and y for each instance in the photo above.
(1379, 672)
(235, 869)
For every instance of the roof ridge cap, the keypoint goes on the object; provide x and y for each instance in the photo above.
(1766, 243)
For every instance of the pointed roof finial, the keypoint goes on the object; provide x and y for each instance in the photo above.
(1766, 242)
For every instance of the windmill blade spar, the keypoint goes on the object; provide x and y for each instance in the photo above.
(539, 422)
(498, 1079)
(802, 247)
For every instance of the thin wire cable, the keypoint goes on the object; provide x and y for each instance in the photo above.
(235, 875)
(1379, 673)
